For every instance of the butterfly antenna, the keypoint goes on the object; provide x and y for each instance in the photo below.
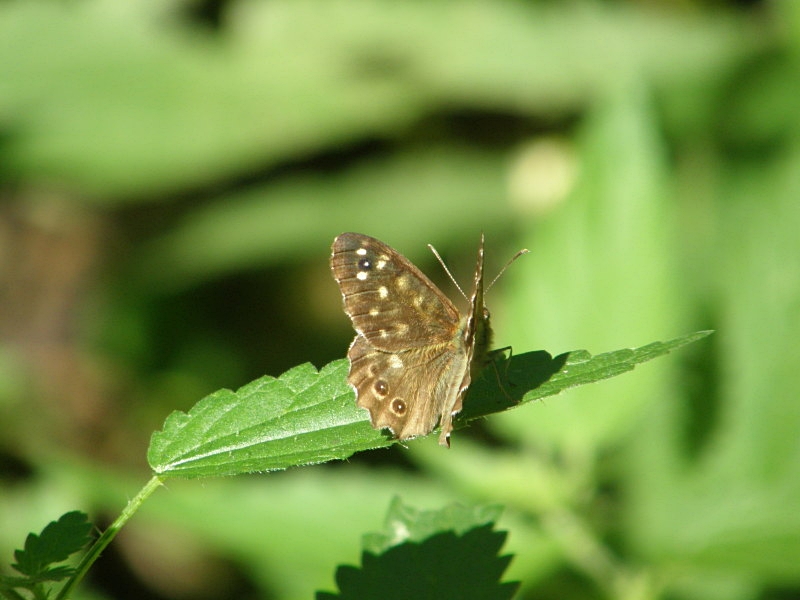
(508, 264)
(446, 270)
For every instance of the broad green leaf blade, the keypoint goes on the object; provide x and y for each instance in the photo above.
(536, 375)
(449, 553)
(581, 368)
(57, 541)
(307, 417)
(303, 417)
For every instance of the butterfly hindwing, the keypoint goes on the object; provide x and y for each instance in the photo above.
(405, 391)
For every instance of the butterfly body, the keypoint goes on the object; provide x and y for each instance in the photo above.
(414, 354)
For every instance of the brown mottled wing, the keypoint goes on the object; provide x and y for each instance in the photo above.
(390, 302)
(413, 356)
(409, 391)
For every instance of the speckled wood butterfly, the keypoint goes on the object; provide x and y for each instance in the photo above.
(414, 354)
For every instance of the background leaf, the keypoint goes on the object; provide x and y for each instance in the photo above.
(57, 541)
(450, 553)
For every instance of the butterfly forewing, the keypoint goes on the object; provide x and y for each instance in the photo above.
(391, 302)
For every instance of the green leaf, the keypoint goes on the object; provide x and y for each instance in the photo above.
(307, 417)
(407, 524)
(54, 544)
(536, 375)
(303, 417)
(450, 553)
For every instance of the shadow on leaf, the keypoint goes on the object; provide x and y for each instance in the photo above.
(504, 382)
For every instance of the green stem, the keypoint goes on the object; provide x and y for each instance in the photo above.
(108, 535)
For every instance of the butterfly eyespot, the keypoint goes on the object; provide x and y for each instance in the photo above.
(381, 387)
(398, 407)
(365, 264)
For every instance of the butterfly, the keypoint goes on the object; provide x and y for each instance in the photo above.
(414, 354)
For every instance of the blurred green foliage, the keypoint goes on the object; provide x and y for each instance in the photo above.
(173, 173)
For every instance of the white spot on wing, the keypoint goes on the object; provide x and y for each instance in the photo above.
(361, 251)
(361, 275)
(395, 362)
(383, 292)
